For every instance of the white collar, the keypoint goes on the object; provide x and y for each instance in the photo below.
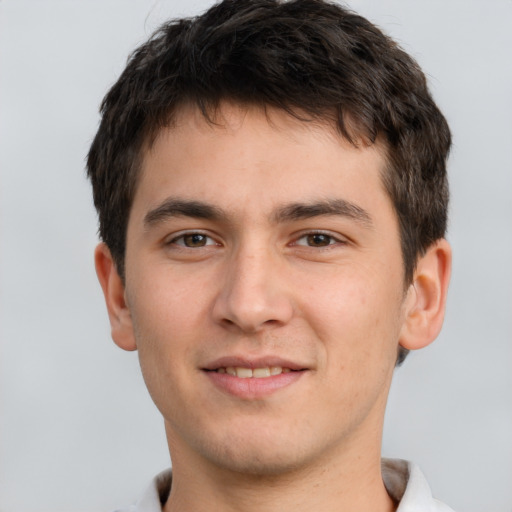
(407, 485)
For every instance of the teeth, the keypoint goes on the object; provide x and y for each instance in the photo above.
(258, 373)
(243, 373)
(261, 372)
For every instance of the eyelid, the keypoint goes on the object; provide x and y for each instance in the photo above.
(336, 237)
(180, 235)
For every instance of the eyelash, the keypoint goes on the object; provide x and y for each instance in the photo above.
(183, 236)
(332, 240)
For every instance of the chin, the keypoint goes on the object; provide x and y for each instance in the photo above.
(258, 462)
(259, 454)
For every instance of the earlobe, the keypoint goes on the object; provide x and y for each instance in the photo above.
(114, 292)
(426, 298)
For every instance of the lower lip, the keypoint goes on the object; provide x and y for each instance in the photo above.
(253, 388)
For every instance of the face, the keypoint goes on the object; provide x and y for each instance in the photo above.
(264, 282)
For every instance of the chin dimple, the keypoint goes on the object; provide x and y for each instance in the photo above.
(258, 373)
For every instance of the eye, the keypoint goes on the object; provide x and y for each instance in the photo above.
(317, 240)
(193, 240)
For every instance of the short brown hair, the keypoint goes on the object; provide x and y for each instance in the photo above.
(311, 58)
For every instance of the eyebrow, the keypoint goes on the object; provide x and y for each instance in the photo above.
(173, 207)
(337, 207)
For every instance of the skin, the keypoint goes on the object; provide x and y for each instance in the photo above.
(262, 278)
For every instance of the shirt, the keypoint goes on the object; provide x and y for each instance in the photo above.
(404, 482)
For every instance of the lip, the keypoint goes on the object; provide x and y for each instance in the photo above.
(253, 388)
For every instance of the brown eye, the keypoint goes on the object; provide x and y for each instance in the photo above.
(318, 240)
(195, 240)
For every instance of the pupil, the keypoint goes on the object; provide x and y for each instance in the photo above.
(319, 240)
(195, 240)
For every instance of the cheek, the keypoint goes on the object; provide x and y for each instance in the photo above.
(167, 309)
(163, 350)
(357, 317)
(165, 325)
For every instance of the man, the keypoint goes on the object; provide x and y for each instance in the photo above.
(271, 187)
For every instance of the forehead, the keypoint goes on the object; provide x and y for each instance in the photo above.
(259, 135)
(252, 150)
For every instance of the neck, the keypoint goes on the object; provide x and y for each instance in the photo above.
(348, 481)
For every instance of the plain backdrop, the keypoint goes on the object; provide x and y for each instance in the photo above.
(78, 429)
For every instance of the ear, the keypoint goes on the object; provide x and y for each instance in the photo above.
(113, 290)
(426, 298)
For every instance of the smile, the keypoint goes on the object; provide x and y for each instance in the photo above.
(254, 379)
(256, 373)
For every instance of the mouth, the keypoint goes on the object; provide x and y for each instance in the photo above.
(253, 379)
(243, 372)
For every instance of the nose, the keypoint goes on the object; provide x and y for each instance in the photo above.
(253, 294)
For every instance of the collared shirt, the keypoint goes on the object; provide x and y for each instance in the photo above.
(404, 482)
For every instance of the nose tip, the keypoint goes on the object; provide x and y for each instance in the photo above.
(251, 317)
(253, 297)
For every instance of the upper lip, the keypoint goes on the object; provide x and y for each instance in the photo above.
(253, 362)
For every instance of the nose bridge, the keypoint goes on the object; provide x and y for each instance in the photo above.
(253, 294)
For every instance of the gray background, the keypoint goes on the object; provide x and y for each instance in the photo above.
(78, 430)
